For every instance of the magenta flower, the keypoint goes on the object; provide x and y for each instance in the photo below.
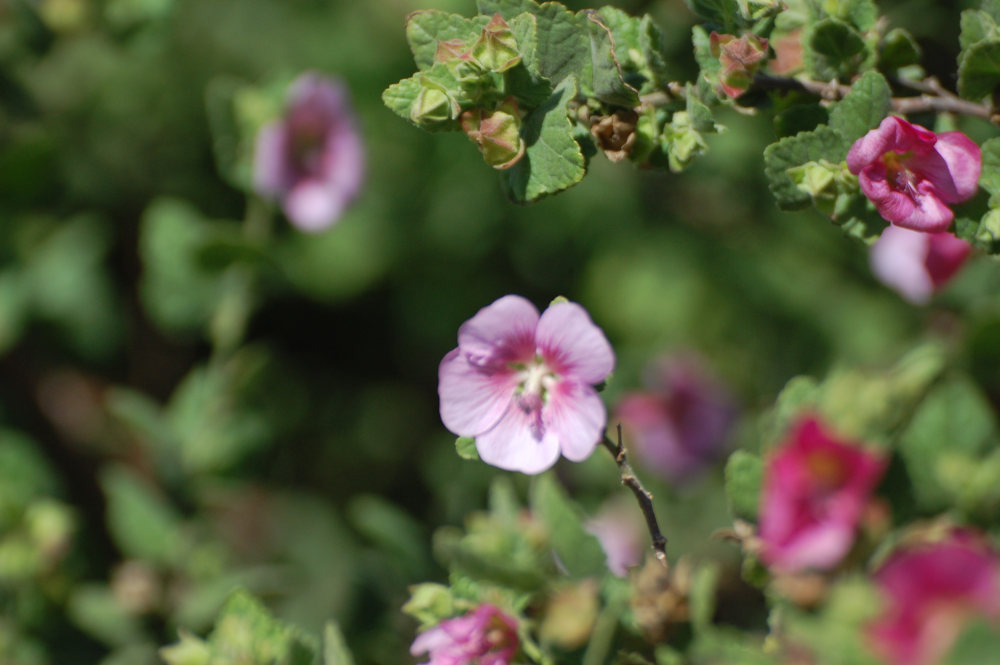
(912, 174)
(485, 636)
(522, 384)
(917, 264)
(815, 489)
(680, 425)
(312, 159)
(929, 591)
(622, 536)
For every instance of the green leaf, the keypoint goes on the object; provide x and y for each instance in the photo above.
(977, 26)
(608, 81)
(430, 603)
(563, 43)
(553, 160)
(578, 550)
(744, 479)
(862, 14)
(991, 8)
(823, 143)
(407, 98)
(979, 70)
(899, 49)
(989, 178)
(95, 609)
(525, 80)
(723, 14)
(953, 424)
(425, 28)
(863, 108)
(246, 634)
(335, 651)
(704, 584)
(638, 45)
(465, 446)
(141, 521)
(833, 50)
(978, 643)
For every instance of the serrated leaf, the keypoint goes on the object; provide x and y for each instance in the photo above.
(425, 28)
(247, 633)
(553, 160)
(976, 26)
(399, 97)
(863, 108)
(578, 551)
(979, 70)
(525, 80)
(335, 651)
(608, 82)
(822, 143)
(744, 479)
(833, 50)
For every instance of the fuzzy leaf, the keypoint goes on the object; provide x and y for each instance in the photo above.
(553, 160)
(744, 479)
(425, 28)
(723, 14)
(608, 81)
(989, 178)
(833, 50)
(863, 108)
(823, 143)
(979, 70)
(335, 651)
(899, 49)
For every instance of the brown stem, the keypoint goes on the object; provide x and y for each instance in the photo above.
(642, 495)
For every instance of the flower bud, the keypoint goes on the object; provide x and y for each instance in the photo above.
(433, 106)
(497, 133)
(740, 58)
(496, 48)
(830, 185)
(615, 133)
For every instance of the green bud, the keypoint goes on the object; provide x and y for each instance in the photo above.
(681, 141)
(496, 48)
(988, 234)
(429, 603)
(189, 651)
(830, 185)
(433, 106)
(497, 133)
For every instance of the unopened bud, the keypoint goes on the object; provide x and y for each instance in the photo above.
(615, 134)
(496, 48)
(452, 49)
(830, 185)
(740, 58)
(433, 106)
(497, 133)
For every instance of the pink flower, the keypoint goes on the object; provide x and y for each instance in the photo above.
(616, 526)
(917, 264)
(929, 591)
(521, 384)
(680, 425)
(911, 174)
(312, 159)
(485, 636)
(815, 489)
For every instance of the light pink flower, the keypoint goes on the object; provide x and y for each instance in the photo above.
(912, 174)
(815, 489)
(680, 424)
(485, 636)
(930, 590)
(622, 536)
(522, 384)
(917, 264)
(311, 159)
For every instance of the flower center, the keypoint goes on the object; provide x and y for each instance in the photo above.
(534, 381)
(900, 178)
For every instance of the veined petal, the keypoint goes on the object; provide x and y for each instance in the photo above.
(573, 345)
(964, 160)
(500, 333)
(472, 400)
(575, 412)
(511, 444)
(893, 134)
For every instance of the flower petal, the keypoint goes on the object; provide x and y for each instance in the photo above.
(576, 414)
(472, 399)
(945, 256)
(893, 134)
(500, 333)
(573, 345)
(898, 260)
(270, 167)
(312, 205)
(511, 445)
(964, 160)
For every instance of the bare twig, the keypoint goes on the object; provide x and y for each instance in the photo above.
(642, 495)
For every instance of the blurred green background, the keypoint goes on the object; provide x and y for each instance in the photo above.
(142, 476)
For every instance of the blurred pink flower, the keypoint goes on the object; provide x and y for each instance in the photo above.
(917, 264)
(815, 489)
(912, 174)
(485, 636)
(929, 591)
(522, 384)
(680, 424)
(311, 159)
(617, 527)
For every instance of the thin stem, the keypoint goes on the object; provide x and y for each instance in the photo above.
(642, 495)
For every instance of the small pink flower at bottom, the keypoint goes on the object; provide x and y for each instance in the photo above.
(912, 174)
(521, 384)
(930, 590)
(311, 159)
(815, 489)
(680, 424)
(917, 264)
(485, 636)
